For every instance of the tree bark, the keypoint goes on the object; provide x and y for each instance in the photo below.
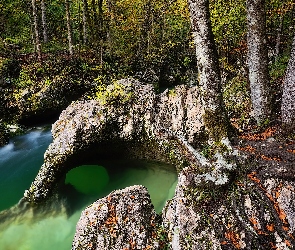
(36, 29)
(69, 27)
(100, 30)
(215, 118)
(258, 60)
(44, 21)
(278, 40)
(146, 28)
(94, 24)
(288, 98)
(85, 21)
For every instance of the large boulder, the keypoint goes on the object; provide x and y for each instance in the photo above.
(256, 210)
(127, 117)
(228, 201)
(125, 219)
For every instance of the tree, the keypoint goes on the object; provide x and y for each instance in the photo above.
(215, 118)
(288, 98)
(258, 60)
(69, 27)
(44, 21)
(85, 21)
(36, 29)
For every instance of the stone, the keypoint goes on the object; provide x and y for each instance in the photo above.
(228, 201)
(256, 212)
(125, 219)
(142, 127)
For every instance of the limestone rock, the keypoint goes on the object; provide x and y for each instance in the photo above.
(256, 212)
(125, 219)
(137, 122)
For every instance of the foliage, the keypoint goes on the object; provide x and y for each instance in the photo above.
(229, 28)
(236, 95)
(132, 38)
(114, 94)
(9, 68)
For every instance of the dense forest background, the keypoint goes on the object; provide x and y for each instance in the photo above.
(83, 44)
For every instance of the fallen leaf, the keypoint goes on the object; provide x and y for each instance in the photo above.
(270, 227)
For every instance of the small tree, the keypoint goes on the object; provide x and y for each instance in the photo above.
(44, 21)
(258, 60)
(215, 118)
(69, 27)
(288, 98)
(36, 29)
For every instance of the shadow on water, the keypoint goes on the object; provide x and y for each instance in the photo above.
(87, 183)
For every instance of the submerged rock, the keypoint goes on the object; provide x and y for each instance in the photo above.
(125, 219)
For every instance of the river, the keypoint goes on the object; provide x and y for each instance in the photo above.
(20, 161)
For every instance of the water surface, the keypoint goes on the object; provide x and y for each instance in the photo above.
(20, 161)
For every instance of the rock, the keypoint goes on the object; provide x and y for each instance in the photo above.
(256, 212)
(125, 219)
(228, 201)
(134, 120)
(217, 204)
(45, 99)
(4, 136)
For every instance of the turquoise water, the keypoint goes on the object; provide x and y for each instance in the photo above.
(20, 161)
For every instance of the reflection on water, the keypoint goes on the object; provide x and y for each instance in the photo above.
(19, 164)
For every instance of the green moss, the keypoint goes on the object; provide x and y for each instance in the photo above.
(236, 96)
(172, 92)
(115, 94)
(216, 124)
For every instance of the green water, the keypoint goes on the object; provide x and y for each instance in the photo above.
(19, 164)
(88, 179)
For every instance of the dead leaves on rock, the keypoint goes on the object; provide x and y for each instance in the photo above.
(233, 237)
(273, 198)
(253, 151)
(260, 136)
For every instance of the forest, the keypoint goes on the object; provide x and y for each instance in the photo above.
(206, 87)
(89, 43)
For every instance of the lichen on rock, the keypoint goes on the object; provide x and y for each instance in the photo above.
(225, 201)
(125, 219)
(140, 127)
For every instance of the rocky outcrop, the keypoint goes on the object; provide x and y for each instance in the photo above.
(256, 211)
(125, 219)
(229, 201)
(3, 134)
(47, 98)
(127, 117)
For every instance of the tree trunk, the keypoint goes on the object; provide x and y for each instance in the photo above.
(44, 21)
(94, 24)
(110, 23)
(69, 27)
(288, 98)
(215, 118)
(36, 29)
(258, 60)
(278, 40)
(85, 21)
(143, 48)
(100, 30)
